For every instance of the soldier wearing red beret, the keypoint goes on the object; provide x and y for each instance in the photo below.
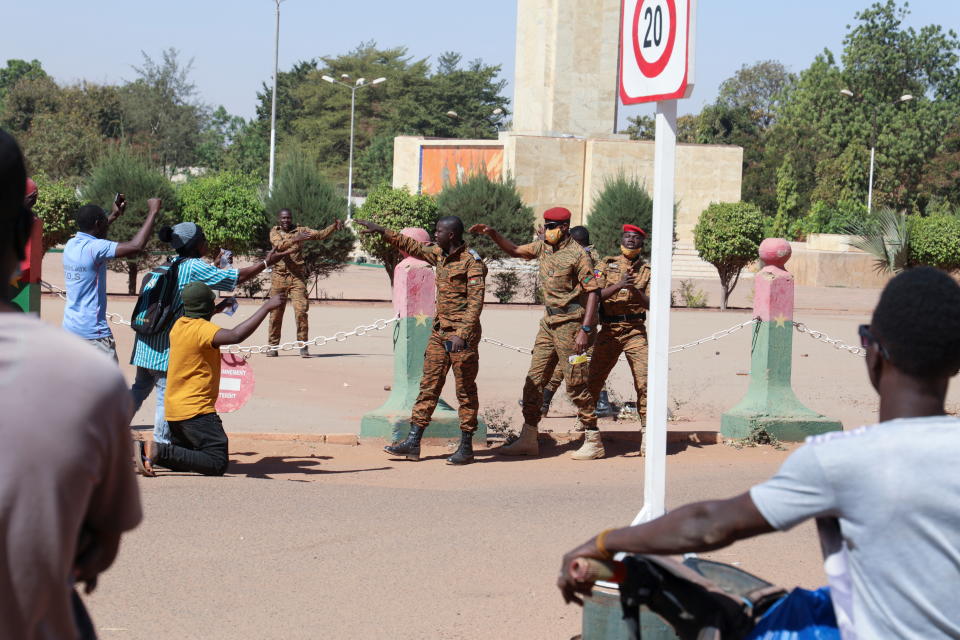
(623, 312)
(570, 295)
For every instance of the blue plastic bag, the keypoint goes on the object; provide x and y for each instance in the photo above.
(800, 615)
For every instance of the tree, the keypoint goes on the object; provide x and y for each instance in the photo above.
(496, 203)
(759, 88)
(220, 131)
(787, 200)
(623, 200)
(315, 203)
(395, 209)
(728, 236)
(15, 70)
(227, 206)
(161, 112)
(644, 128)
(125, 172)
(57, 203)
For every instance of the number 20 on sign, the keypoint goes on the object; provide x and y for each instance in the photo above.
(656, 50)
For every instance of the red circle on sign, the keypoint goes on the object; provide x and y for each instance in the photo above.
(236, 382)
(653, 69)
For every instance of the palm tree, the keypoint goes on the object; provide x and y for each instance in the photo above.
(886, 236)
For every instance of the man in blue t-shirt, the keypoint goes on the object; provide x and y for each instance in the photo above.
(85, 270)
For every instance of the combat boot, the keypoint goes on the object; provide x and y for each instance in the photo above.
(604, 408)
(463, 455)
(547, 399)
(409, 448)
(592, 447)
(305, 352)
(525, 445)
(271, 354)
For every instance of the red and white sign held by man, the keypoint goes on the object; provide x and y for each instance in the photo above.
(236, 383)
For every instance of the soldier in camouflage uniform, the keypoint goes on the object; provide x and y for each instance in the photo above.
(570, 296)
(453, 343)
(290, 275)
(624, 302)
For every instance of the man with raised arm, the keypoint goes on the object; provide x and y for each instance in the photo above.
(198, 442)
(85, 259)
(884, 496)
(460, 274)
(570, 297)
(289, 277)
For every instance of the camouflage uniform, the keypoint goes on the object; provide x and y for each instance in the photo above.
(290, 278)
(567, 276)
(557, 379)
(623, 330)
(460, 287)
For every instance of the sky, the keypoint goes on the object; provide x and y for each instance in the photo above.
(231, 42)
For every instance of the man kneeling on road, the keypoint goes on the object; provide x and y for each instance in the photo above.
(884, 496)
(198, 442)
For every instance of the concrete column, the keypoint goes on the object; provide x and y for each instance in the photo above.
(415, 301)
(770, 403)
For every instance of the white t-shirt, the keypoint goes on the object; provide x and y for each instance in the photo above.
(887, 503)
(66, 460)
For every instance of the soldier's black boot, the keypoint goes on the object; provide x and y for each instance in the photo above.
(463, 455)
(409, 448)
(547, 399)
(604, 408)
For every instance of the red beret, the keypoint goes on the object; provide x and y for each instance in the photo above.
(31, 186)
(557, 214)
(634, 228)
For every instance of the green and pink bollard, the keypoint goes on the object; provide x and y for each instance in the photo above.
(415, 301)
(770, 403)
(25, 287)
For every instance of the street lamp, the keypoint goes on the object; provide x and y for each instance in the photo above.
(359, 84)
(873, 136)
(273, 100)
(495, 114)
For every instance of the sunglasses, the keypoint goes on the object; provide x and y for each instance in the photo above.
(551, 225)
(867, 340)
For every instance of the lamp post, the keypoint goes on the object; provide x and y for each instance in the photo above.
(273, 100)
(359, 84)
(873, 136)
(495, 114)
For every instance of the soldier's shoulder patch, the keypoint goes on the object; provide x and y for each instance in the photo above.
(587, 278)
(476, 256)
(475, 280)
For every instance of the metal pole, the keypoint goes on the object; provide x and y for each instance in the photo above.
(870, 187)
(353, 101)
(661, 252)
(273, 101)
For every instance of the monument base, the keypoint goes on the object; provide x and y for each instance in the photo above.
(793, 428)
(390, 424)
(603, 619)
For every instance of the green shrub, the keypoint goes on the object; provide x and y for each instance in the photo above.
(935, 241)
(227, 207)
(507, 285)
(394, 209)
(57, 203)
(128, 173)
(315, 203)
(827, 218)
(622, 201)
(728, 236)
(496, 203)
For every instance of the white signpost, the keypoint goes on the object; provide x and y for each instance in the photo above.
(656, 65)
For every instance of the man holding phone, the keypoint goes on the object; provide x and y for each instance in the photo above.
(85, 269)
(456, 331)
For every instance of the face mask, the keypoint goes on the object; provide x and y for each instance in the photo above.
(553, 236)
(629, 253)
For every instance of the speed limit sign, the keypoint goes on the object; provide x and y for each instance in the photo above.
(656, 50)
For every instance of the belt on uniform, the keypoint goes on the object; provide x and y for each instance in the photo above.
(570, 308)
(624, 317)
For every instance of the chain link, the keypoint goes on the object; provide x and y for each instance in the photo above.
(822, 337)
(361, 330)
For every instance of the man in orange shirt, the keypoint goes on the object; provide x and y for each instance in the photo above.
(198, 441)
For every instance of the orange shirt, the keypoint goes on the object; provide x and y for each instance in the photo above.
(193, 377)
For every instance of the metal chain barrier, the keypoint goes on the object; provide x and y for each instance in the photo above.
(822, 337)
(319, 341)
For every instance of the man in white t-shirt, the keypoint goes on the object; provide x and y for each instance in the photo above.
(67, 488)
(85, 270)
(885, 496)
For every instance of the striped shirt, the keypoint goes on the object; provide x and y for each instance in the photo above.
(153, 352)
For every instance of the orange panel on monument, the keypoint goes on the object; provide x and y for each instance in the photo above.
(448, 165)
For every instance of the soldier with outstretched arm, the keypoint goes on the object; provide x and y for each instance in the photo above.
(570, 297)
(460, 274)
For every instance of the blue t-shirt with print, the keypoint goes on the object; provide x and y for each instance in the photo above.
(85, 271)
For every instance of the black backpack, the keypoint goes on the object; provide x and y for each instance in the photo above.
(154, 310)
